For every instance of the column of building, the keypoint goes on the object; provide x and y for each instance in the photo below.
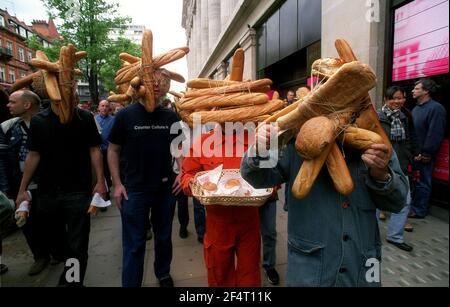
(205, 33)
(214, 23)
(198, 38)
(226, 10)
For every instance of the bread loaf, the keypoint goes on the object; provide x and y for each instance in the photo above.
(240, 87)
(368, 118)
(361, 139)
(202, 83)
(339, 172)
(147, 70)
(343, 90)
(237, 67)
(325, 68)
(233, 100)
(308, 173)
(315, 135)
(244, 114)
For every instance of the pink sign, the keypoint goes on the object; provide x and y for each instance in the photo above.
(441, 166)
(421, 40)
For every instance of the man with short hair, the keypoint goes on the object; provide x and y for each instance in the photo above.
(290, 98)
(105, 122)
(63, 156)
(429, 119)
(23, 105)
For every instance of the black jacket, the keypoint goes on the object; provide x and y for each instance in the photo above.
(406, 150)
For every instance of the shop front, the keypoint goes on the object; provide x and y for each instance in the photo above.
(418, 46)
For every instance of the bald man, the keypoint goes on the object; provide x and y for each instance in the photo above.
(105, 122)
(22, 105)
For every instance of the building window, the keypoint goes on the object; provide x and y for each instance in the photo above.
(21, 53)
(29, 56)
(12, 75)
(23, 74)
(2, 21)
(9, 46)
(2, 74)
(23, 32)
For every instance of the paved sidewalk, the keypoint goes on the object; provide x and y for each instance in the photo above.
(427, 265)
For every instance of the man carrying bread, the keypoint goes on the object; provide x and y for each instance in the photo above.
(333, 240)
(143, 139)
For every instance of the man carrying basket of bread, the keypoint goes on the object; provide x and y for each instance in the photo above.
(232, 241)
(333, 235)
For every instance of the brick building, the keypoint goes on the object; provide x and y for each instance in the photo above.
(14, 52)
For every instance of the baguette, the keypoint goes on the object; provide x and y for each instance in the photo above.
(239, 115)
(147, 70)
(50, 80)
(131, 59)
(43, 64)
(325, 68)
(170, 56)
(24, 82)
(202, 83)
(368, 118)
(308, 173)
(175, 76)
(343, 90)
(233, 100)
(237, 68)
(339, 172)
(240, 87)
(361, 139)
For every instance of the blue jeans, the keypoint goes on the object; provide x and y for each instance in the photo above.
(397, 222)
(135, 212)
(422, 189)
(199, 218)
(268, 222)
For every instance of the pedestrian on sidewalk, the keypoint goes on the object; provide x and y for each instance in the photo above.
(143, 140)
(105, 122)
(430, 121)
(400, 128)
(62, 157)
(232, 242)
(23, 105)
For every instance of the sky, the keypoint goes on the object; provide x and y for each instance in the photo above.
(162, 17)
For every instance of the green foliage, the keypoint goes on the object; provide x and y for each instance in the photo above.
(87, 24)
(113, 63)
(51, 52)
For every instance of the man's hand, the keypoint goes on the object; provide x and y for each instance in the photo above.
(101, 189)
(177, 187)
(119, 194)
(377, 160)
(21, 197)
(263, 136)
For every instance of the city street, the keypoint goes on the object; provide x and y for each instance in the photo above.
(426, 266)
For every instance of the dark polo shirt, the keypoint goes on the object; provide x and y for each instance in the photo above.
(145, 139)
(65, 164)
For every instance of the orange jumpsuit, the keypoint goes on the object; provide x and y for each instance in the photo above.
(232, 241)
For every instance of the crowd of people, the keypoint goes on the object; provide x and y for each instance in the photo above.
(126, 156)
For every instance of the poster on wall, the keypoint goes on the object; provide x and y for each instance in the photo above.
(441, 165)
(421, 33)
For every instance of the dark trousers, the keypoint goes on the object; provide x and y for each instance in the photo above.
(34, 234)
(135, 212)
(422, 189)
(67, 225)
(199, 218)
(183, 210)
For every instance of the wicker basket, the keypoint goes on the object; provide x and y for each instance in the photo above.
(238, 201)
